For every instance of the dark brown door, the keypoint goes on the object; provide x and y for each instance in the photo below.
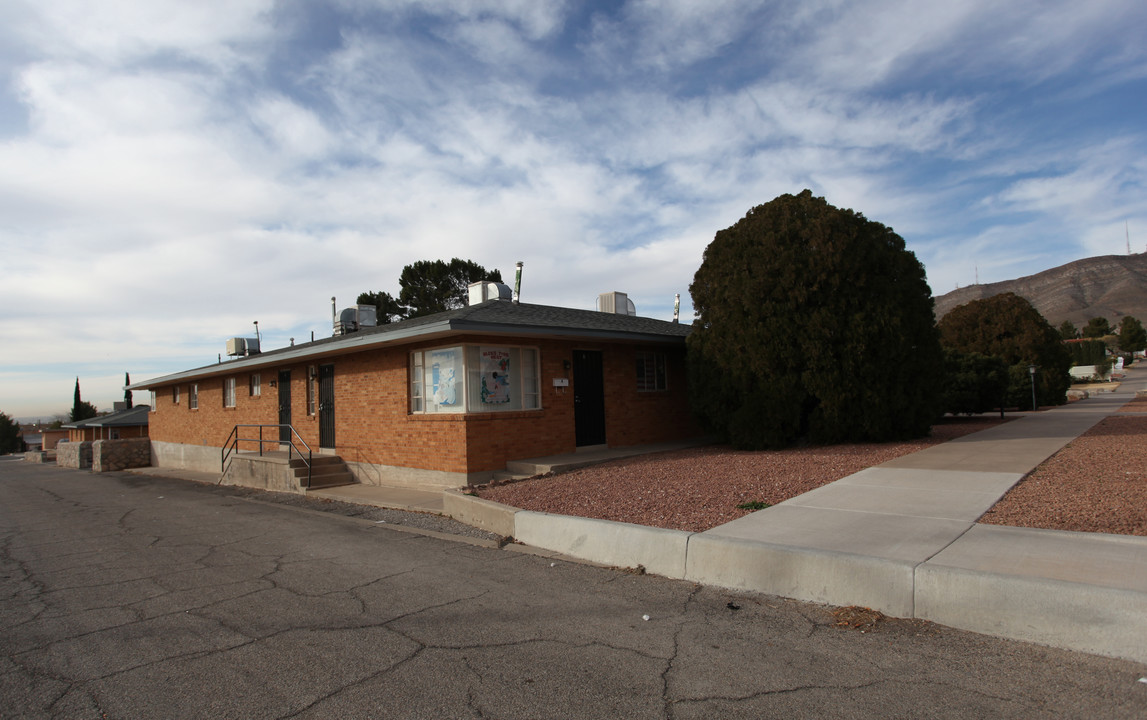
(284, 405)
(589, 398)
(326, 406)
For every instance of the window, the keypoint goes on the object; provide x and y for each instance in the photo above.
(311, 390)
(175, 395)
(193, 397)
(255, 385)
(416, 382)
(229, 392)
(153, 405)
(651, 375)
(474, 378)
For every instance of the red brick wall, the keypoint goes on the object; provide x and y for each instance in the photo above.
(211, 423)
(373, 423)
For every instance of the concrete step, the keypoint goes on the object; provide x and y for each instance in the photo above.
(317, 461)
(503, 476)
(330, 480)
(326, 471)
(317, 470)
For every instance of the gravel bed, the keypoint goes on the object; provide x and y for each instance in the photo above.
(1098, 483)
(700, 488)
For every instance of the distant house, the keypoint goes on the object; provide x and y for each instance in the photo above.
(121, 425)
(442, 400)
(52, 437)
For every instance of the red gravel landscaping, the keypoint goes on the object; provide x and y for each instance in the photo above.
(1098, 483)
(700, 488)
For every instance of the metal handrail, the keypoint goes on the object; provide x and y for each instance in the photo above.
(231, 445)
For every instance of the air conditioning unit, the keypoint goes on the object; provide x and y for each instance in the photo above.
(617, 303)
(242, 347)
(480, 292)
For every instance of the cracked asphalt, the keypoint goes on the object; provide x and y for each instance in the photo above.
(125, 596)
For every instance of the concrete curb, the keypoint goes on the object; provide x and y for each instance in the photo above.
(659, 551)
(1089, 618)
(821, 576)
(483, 514)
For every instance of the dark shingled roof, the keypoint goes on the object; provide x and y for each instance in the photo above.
(491, 317)
(124, 418)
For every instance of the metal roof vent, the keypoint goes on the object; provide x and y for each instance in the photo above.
(485, 290)
(617, 303)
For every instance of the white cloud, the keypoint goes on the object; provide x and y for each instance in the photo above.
(188, 168)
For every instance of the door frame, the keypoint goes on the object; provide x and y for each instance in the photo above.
(326, 409)
(284, 396)
(589, 398)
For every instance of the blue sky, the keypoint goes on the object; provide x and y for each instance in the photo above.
(171, 172)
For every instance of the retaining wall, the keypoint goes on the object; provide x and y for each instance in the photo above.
(75, 455)
(111, 455)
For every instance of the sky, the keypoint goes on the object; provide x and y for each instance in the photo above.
(172, 172)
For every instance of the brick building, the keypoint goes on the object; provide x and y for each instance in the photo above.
(120, 425)
(442, 400)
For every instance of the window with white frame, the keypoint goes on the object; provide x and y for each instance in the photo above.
(474, 378)
(193, 397)
(651, 375)
(229, 392)
(175, 395)
(153, 405)
(255, 385)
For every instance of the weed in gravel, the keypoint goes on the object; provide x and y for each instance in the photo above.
(753, 505)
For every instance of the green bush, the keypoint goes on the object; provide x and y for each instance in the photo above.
(973, 383)
(813, 324)
(1008, 327)
(1087, 352)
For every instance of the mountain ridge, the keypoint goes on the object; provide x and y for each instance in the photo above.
(1109, 286)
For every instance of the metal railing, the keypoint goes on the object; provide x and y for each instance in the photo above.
(293, 441)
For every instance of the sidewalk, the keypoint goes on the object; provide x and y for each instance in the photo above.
(902, 538)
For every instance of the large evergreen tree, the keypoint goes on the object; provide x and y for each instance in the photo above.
(81, 409)
(1008, 327)
(812, 323)
(10, 440)
(1132, 336)
(1097, 327)
(428, 287)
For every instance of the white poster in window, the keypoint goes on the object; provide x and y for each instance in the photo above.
(495, 376)
(442, 376)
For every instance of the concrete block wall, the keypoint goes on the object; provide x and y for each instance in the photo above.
(75, 455)
(111, 455)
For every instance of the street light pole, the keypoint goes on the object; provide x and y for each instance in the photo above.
(1031, 371)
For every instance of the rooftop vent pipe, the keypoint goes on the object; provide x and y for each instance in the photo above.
(518, 281)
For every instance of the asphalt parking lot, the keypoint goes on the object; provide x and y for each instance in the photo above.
(132, 596)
